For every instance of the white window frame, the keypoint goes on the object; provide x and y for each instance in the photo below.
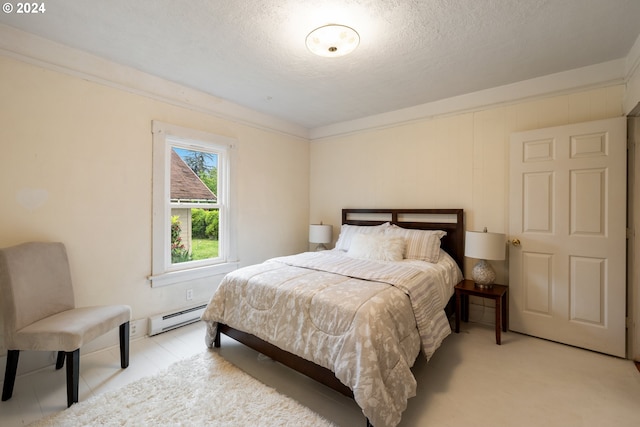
(163, 271)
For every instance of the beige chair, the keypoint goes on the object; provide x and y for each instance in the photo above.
(40, 314)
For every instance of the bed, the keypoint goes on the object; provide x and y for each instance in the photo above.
(354, 318)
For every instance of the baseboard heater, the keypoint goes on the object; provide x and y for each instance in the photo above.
(166, 322)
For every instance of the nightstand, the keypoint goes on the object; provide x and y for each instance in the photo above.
(499, 293)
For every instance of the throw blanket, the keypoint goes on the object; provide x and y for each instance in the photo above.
(351, 316)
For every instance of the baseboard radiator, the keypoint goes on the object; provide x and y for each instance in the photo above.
(166, 322)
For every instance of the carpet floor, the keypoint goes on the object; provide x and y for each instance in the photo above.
(202, 390)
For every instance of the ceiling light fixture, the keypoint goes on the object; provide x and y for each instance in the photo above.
(333, 40)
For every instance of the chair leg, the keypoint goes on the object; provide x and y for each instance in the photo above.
(124, 345)
(10, 374)
(60, 360)
(73, 376)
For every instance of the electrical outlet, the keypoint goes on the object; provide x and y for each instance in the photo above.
(189, 294)
(132, 328)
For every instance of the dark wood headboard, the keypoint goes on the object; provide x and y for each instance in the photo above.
(449, 220)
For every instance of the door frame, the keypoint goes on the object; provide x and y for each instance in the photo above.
(633, 243)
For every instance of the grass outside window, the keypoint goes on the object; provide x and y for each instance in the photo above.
(203, 249)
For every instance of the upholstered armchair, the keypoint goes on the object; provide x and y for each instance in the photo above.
(39, 312)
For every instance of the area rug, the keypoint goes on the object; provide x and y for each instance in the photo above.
(204, 390)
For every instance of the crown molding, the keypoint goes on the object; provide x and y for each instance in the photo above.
(47, 54)
(35, 50)
(593, 76)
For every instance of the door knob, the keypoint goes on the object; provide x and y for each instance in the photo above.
(515, 242)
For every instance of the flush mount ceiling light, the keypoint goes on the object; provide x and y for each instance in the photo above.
(333, 40)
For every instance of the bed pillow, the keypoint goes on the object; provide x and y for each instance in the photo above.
(348, 231)
(377, 247)
(423, 245)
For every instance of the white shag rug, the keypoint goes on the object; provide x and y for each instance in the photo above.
(204, 390)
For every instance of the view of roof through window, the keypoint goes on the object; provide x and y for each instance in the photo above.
(193, 176)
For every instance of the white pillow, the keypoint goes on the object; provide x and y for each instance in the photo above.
(348, 231)
(377, 247)
(423, 245)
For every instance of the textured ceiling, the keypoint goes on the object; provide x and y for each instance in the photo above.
(252, 52)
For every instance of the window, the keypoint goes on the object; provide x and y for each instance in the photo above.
(192, 205)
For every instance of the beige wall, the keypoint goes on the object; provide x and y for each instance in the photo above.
(458, 161)
(75, 166)
(632, 104)
(632, 92)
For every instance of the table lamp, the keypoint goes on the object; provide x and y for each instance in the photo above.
(321, 234)
(484, 246)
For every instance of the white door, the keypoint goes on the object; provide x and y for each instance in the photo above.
(567, 197)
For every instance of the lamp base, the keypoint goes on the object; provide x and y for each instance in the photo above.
(321, 247)
(483, 275)
(481, 286)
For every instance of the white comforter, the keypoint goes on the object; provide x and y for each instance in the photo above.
(364, 320)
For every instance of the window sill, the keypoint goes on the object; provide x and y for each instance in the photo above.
(174, 277)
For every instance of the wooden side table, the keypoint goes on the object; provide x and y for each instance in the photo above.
(499, 293)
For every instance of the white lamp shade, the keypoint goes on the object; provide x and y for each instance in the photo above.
(320, 233)
(484, 245)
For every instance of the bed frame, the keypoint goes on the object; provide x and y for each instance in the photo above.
(449, 220)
